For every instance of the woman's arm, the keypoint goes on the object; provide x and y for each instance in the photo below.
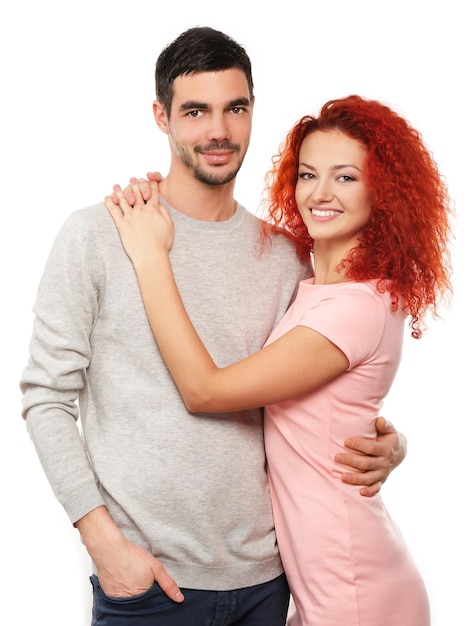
(299, 362)
(372, 461)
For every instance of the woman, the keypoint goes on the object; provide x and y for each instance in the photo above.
(357, 188)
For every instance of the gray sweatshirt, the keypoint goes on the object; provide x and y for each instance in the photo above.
(107, 420)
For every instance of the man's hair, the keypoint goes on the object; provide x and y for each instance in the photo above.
(200, 49)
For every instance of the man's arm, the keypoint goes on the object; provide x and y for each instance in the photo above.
(374, 459)
(66, 308)
(60, 352)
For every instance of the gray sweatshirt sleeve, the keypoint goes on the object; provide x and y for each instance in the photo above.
(65, 311)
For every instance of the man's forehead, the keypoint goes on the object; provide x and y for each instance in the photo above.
(218, 87)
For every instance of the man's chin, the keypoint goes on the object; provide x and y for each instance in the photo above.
(214, 178)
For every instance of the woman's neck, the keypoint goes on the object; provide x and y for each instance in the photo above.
(326, 259)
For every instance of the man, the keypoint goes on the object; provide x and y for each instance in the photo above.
(173, 508)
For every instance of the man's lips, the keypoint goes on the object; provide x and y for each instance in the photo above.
(217, 153)
(217, 158)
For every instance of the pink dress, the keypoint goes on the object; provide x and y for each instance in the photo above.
(345, 559)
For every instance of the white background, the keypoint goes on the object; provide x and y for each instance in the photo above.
(77, 88)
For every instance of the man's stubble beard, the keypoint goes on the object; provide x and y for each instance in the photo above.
(207, 178)
(211, 179)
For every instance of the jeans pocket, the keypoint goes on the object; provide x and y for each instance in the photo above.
(141, 608)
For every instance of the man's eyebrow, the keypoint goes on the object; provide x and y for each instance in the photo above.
(192, 105)
(239, 102)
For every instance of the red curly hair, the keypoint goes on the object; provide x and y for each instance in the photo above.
(405, 243)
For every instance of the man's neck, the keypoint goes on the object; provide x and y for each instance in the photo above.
(211, 203)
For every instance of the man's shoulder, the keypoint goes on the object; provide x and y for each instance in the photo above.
(93, 218)
(261, 226)
(90, 214)
(87, 228)
(276, 246)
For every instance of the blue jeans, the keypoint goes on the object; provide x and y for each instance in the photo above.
(260, 605)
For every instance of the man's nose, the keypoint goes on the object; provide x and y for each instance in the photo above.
(219, 128)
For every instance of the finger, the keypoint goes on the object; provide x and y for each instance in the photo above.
(368, 492)
(153, 194)
(129, 195)
(139, 200)
(156, 177)
(383, 426)
(125, 207)
(359, 462)
(377, 457)
(145, 188)
(362, 479)
(114, 198)
(369, 483)
(167, 584)
(356, 461)
(139, 188)
(362, 445)
(113, 208)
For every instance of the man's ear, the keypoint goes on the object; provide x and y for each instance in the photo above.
(160, 116)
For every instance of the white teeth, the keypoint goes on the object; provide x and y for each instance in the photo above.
(322, 213)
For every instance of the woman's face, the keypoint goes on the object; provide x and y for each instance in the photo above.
(331, 196)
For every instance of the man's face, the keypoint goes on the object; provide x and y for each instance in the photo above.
(210, 124)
